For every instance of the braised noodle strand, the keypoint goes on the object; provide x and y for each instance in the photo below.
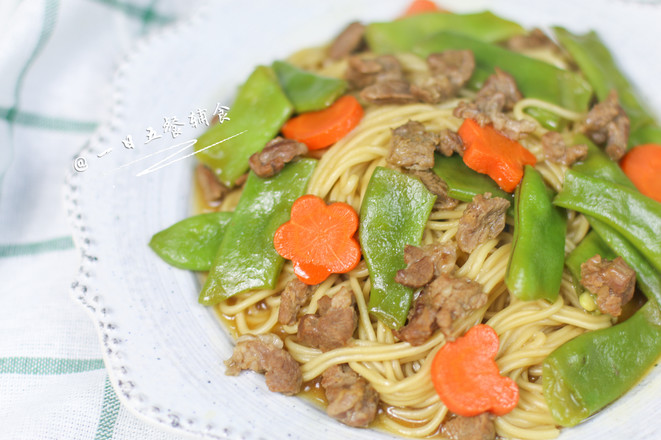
(400, 372)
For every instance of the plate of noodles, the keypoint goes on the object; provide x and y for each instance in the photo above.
(408, 223)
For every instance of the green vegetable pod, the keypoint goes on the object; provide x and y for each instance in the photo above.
(246, 258)
(465, 183)
(255, 117)
(602, 72)
(591, 245)
(534, 78)
(537, 261)
(649, 134)
(402, 34)
(592, 370)
(308, 91)
(394, 213)
(636, 217)
(648, 278)
(598, 164)
(192, 243)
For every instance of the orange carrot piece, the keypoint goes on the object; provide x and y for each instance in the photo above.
(319, 239)
(490, 152)
(466, 376)
(420, 7)
(642, 164)
(322, 128)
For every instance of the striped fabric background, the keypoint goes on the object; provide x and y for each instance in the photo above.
(57, 60)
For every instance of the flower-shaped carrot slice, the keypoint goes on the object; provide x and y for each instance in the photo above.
(319, 239)
(490, 152)
(466, 376)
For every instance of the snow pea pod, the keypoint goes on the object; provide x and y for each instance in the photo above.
(402, 34)
(649, 134)
(246, 258)
(636, 217)
(591, 245)
(535, 267)
(191, 243)
(604, 239)
(307, 91)
(602, 72)
(548, 119)
(393, 213)
(647, 278)
(258, 112)
(598, 164)
(592, 370)
(534, 78)
(465, 183)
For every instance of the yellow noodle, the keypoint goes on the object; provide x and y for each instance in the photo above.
(564, 113)
(400, 372)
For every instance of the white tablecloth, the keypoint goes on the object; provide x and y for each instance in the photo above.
(57, 61)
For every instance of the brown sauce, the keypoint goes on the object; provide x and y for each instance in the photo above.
(632, 306)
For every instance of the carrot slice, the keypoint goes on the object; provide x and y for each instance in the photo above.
(319, 239)
(490, 152)
(322, 128)
(466, 377)
(642, 164)
(420, 7)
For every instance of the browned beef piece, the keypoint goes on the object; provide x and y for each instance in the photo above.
(479, 427)
(483, 219)
(347, 42)
(449, 142)
(351, 399)
(612, 281)
(454, 297)
(436, 186)
(442, 302)
(499, 84)
(275, 154)
(433, 89)
(557, 150)
(618, 137)
(535, 39)
(424, 263)
(381, 79)
(392, 91)
(449, 72)
(212, 190)
(607, 123)
(364, 71)
(241, 179)
(456, 65)
(419, 268)
(443, 255)
(265, 354)
(498, 95)
(421, 321)
(469, 110)
(512, 128)
(411, 146)
(295, 295)
(333, 325)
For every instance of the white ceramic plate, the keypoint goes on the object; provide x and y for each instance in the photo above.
(163, 350)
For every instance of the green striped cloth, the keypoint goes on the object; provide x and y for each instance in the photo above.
(57, 61)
